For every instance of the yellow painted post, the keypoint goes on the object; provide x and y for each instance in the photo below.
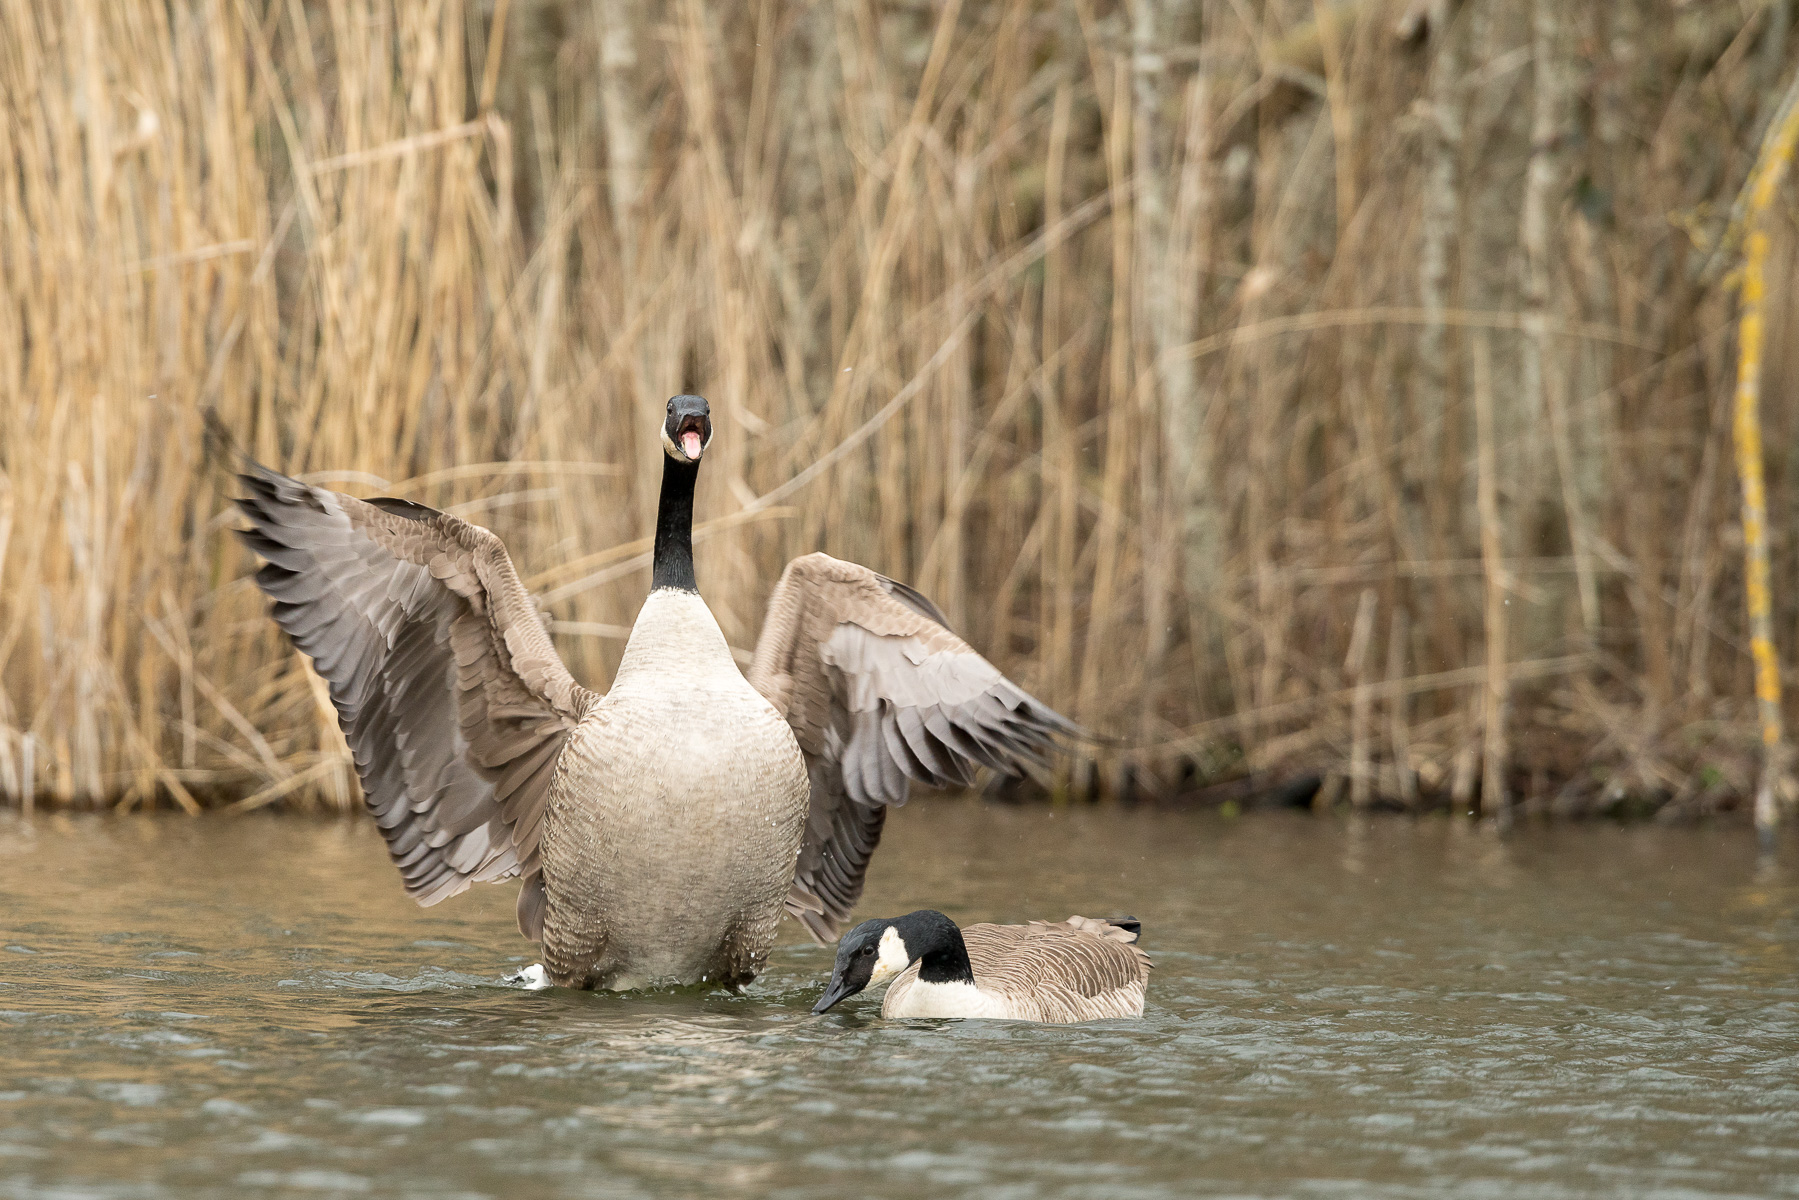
(1770, 167)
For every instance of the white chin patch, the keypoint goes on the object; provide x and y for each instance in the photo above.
(893, 957)
(690, 444)
(532, 978)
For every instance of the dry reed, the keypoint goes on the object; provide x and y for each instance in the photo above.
(1142, 336)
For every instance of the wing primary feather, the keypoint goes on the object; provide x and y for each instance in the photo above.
(446, 685)
(935, 770)
(879, 693)
(899, 750)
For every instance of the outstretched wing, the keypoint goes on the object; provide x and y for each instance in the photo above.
(448, 689)
(880, 694)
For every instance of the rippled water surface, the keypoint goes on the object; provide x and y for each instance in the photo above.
(226, 1007)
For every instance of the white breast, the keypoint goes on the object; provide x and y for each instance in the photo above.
(920, 999)
(673, 847)
(676, 643)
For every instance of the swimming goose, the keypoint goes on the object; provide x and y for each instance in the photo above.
(1074, 970)
(661, 828)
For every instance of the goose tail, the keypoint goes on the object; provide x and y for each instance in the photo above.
(1119, 929)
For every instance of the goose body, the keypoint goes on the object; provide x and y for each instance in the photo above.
(659, 829)
(676, 867)
(1055, 972)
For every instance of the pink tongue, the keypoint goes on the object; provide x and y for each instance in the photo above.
(690, 444)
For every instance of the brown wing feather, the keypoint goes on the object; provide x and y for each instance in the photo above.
(449, 691)
(881, 694)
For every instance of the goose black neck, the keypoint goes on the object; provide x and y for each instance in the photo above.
(945, 955)
(673, 564)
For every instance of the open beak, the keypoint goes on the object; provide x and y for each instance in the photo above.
(839, 990)
(691, 437)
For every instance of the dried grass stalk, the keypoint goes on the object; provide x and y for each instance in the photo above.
(1136, 333)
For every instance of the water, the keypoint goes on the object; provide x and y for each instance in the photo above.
(227, 1007)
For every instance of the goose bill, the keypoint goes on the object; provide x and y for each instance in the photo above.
(840, 989)
(691, 433)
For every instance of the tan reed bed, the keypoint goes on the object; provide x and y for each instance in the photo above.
(1272, 394)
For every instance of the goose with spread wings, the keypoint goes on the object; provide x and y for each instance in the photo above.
(659, 829)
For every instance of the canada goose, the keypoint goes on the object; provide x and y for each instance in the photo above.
(660, 828)
(1074, 970)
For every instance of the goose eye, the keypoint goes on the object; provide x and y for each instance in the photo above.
(868, 949)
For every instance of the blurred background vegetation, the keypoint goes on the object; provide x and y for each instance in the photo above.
(1284, 388)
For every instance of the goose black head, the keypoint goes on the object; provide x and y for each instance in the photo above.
(687, 430)
(878, 950)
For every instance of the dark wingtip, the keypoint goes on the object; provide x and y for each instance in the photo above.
(271, 490)
(822, 929)
(1130, 925)
(410, 509)
(1080, 733)
(915, 600)
(263, 484)
(217, 441)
